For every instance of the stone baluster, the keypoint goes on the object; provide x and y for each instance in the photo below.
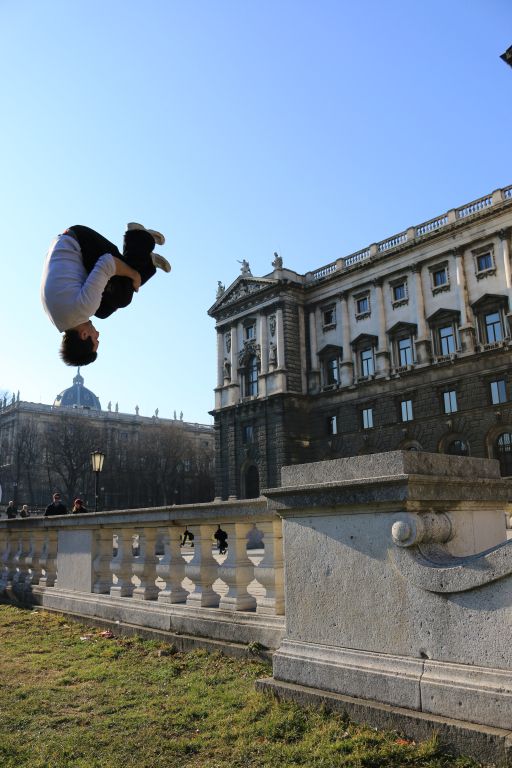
(269, 573)
(202, 569)
(5, 559)
(121, 565)
(171, 568)
(22, 553)
(34, 556)
(103, 546)
(237, 571)
(48, 559)
(144, 565)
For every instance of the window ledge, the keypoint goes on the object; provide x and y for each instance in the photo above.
(440, 288)
(439, 359)
(485, 273)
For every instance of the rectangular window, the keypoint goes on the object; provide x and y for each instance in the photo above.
(399, 292)
(332, 425)
(493, 328)
(363, 305)
(405, 351)
(407, 410)
(367, 418)
(329, 317)
(252, 377)
(498, 391)
(450, 401)
(248, 434)
(332, 371)
(367, 368)
(484, 262)
(250, 332)
(440, 277)
(446, 340)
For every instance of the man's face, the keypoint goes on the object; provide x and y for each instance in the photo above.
(56, 498)
(87, 330)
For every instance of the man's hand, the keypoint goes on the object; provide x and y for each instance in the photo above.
(123, 270)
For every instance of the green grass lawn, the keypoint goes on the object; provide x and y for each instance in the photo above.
(69, 697)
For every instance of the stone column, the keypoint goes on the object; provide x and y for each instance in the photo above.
(466, 329)
(382, 352)
(423, 344)
(281, 362)
(347, 364)
(220, 358)
(314, 372)
(263, 334)
(505, 254)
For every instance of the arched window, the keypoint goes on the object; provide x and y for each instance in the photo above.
(252, 482)
(504, 453)
(458, 448)
(251, 379)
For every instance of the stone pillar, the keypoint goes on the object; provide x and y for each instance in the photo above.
(237, 571)
(34, 557)
(466, 329)
(347, 364)
(382, 352)
(281, 362)
(220, 358)
(314, 371)
(505, 254)
(171, 568)
(423, 343)
(263, 334)
(5, 558)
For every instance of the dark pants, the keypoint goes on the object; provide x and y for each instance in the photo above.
(137, 248)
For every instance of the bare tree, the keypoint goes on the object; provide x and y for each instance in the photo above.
(68, 447)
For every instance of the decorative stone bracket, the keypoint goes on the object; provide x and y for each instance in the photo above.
(422, 560)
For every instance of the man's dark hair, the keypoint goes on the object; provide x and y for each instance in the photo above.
(77, 351)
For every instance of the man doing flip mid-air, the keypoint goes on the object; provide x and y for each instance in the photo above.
(84, 274)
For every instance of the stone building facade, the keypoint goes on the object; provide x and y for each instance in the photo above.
(149, 461)
(404, 344)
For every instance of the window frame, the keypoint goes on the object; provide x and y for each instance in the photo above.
(367, 418)
(328, 317)
(500, 390)
(407, 413)
(434, 270)
(449, 401)
(399, 282)
(478, 253)
(361, 314)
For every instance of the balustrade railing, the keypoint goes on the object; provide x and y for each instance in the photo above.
(142, 556)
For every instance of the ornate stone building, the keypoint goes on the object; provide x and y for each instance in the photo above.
(149, 461)
(403, 344)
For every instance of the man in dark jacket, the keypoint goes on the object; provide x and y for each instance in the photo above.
(56, 507)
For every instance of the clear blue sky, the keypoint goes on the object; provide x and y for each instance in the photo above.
(238, 128)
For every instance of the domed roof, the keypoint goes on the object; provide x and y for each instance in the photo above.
(78, 396)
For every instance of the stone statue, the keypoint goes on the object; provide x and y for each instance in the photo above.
(227, 368)
(181, 415)
(272, 324)
(245, 270)
(136, 410)
(117, 407)
(174, 415)
(109, 406)
(272, 355)
(228, 342)
(13, 399)
(278, 262)
(220, 289)
(156, 413)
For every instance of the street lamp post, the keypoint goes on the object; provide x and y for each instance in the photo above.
(97, 458)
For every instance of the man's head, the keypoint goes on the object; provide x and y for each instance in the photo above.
(78, 502)
(56, 498)
(79, 344)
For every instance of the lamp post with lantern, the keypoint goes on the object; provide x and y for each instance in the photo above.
(97, 458)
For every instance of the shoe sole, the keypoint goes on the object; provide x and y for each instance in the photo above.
(157, 236)
(160, 262)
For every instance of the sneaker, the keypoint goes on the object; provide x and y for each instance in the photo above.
(160, 262)
(157, 236)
